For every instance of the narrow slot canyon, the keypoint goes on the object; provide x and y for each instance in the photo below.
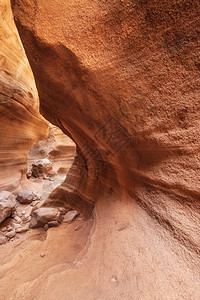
(99, 150)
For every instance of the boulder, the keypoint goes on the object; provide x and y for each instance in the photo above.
(7, 205)
(26, 197)
(43, 215)
(42, 168)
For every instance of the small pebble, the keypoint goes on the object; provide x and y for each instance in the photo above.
(42, 254)
(77, 228)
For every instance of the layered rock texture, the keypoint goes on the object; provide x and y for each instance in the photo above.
(56, 147)
(122, 80)
(21, 124)
(49, 161)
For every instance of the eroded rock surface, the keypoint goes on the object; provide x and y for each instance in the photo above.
(21, 123)
(122, 80)
(57, 147)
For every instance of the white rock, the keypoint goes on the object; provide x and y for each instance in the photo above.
(7, 205)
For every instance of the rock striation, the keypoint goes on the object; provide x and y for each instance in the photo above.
(21, 123)
(121, 79)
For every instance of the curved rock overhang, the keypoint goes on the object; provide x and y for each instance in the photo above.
(122, 80)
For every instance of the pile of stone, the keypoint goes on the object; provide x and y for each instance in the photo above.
(13, 219)
(21, 212)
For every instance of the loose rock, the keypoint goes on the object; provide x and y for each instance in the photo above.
(17, 226)
(10, 234)
(35, 203)
(53, 224)
(26, 197)
(43, 215)
(42, 168)
(26, 218)
(7, 205)
(70, 216)
(77, 228)
(22, 229)
(9, 228)
(62, 210)
(17, 219)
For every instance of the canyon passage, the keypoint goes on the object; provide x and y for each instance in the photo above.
(99, 150)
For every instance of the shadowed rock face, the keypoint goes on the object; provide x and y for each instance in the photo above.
(121, 79)
(21, 124)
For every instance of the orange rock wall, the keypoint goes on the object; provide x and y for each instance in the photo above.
(121, 78)
(21, 124)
